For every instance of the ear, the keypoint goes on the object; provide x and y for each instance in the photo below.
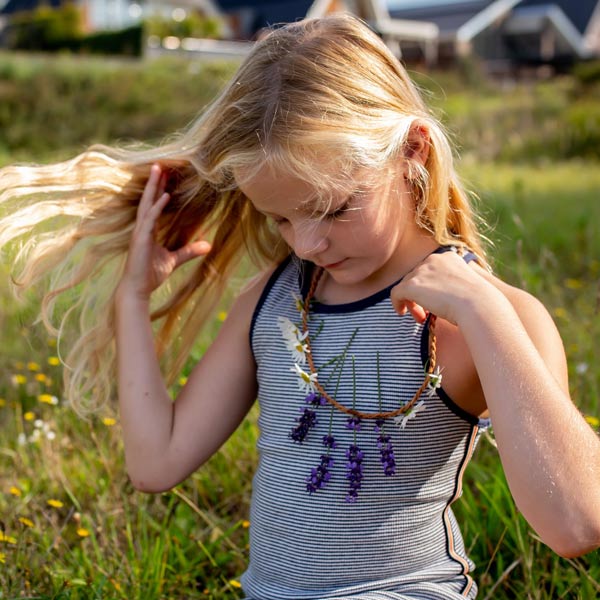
(417, 143)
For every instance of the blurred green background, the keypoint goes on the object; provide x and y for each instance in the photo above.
(72, 527)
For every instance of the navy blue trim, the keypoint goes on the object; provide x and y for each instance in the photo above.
(304, 277)
(357, 305)
(444, 397)
(275, 275)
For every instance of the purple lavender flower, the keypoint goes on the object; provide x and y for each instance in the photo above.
(320, 475)
(353, 423)
(378, 425)
(315, 399)
(306, 421)
(354, 471)
(329, 441)
(386, 452)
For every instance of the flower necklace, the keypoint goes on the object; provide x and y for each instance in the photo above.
(299, 343)
(432, 376)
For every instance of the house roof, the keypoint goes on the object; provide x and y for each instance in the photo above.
(268, 12)
(579, 12)
(451, 17)
(448, 17)
(535, 19)
(16, 6)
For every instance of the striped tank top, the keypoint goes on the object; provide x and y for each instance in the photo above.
(398, 539)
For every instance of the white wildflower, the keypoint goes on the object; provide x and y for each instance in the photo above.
(306, 381)
(298, 302)
(581, 368)
(288, 329)
(298, 349)
(434, 380)
(411, 413)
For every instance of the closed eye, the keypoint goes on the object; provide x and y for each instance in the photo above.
(339, 212)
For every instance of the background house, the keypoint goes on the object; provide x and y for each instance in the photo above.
(502, 33)
(247, 18)
(511, 32)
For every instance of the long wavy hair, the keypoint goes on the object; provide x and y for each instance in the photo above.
(321, 87)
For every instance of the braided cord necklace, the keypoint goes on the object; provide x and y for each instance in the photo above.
(430, 376)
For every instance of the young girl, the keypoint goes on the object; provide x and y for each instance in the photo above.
(377, 341)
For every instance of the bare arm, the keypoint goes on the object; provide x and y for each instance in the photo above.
(550, 455)
(164, 440)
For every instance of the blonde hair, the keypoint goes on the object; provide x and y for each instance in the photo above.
(315, 88)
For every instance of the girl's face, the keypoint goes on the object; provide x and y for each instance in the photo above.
(367, 239)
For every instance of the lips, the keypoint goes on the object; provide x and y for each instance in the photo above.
(334, 265)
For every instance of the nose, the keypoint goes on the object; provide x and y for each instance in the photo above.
(310, 239)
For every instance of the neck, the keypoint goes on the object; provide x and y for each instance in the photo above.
(329, 291)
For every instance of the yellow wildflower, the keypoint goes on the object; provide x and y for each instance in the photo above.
(593, 421)
(9, 539)
(15, 491)
(27, 522)
(33, 366)
(29, 416)
(83, 532)
(109, 421)
(2, 402)
(55, 503)
(235, 583)
(222, 315)
(182, 380)
(48, 399)
(245, 524)
(19, 379)
(2, 557)
(560, 312)
(40, 377)
(54, 361)
(574, 284)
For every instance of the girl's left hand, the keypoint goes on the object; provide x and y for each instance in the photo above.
(442, 284)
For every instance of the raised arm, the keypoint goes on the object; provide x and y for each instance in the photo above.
(550, 455)
(164, 440)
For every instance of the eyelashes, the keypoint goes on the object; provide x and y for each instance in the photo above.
(338, 212)
(334, 215)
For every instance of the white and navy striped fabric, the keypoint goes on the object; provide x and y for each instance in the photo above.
(399, 540)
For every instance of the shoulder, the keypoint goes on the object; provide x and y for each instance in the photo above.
(252, 295)
(253, 289)
(537, 322)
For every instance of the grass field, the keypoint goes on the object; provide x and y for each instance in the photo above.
(72, 527)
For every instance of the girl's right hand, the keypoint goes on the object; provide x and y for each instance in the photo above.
(148, 263)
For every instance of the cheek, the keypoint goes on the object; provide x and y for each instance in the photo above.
(286, 231)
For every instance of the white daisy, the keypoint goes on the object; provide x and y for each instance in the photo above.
(298, 349)
(411, 413)
(434, 380)
(298, 302)
(306, 381)
(288, 329)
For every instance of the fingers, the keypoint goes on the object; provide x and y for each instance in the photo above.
(153, 200)
(418, 313)
(190, 251)
(150, 192)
